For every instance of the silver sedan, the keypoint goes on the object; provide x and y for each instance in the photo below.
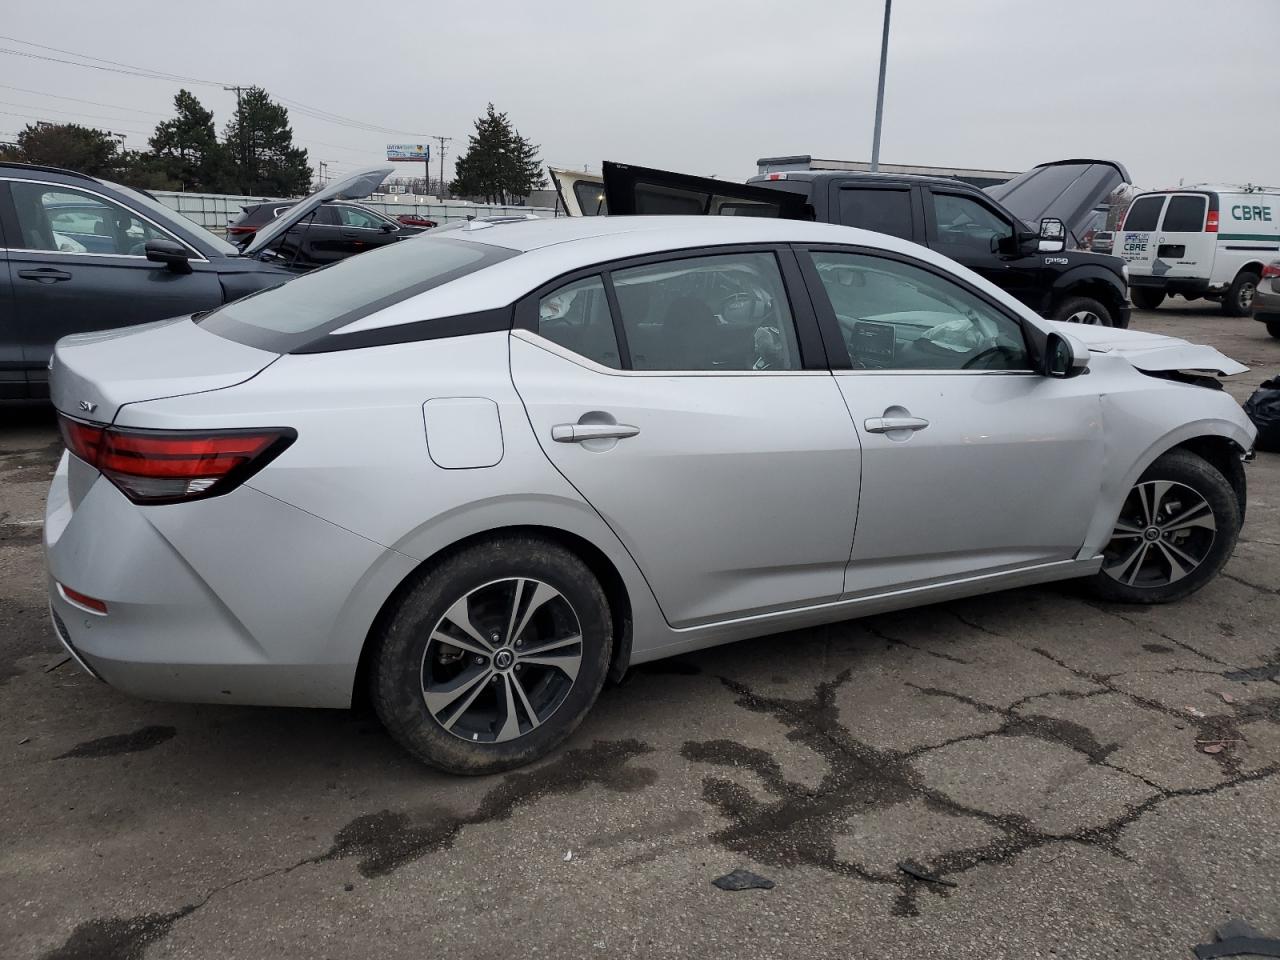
(480, 473)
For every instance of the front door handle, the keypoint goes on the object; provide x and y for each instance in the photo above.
(45, 275)
(578, 432)
(886, 424)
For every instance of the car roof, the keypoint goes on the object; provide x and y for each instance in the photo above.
(550, 248)
(11, 165)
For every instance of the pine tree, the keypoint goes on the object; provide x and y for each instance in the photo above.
(186, 148)
(259, 142)
(69, 145)
(499, 164)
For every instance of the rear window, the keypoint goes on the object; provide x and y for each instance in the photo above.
(884, 211)
(590, 198)
(1185, 214)
(295, 313)
(1144, 213)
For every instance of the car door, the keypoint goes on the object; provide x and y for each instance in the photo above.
(13, 375)
(1136, 240)
(1182, 247)
(686, 399)
(971, 462)
(61, 286)
(361, 230)
(983, 238)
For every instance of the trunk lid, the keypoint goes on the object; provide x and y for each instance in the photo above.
(92, 375)
(355, 187)
(1068, 190)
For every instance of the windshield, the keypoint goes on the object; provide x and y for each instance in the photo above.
(297, 312)
(162, 213)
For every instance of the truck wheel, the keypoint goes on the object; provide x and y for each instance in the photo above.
(1083, 310)
(1273, 328)
(1146, 298)
(494, 657)
(1238, 301)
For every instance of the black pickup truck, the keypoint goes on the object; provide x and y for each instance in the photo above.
(999, 232)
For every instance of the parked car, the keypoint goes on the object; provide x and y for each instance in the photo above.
(484, 470)
(335, 230)
(997, 231)
(86, 254)
(1266, 302)
(414, 220)
(1201, 241)
(1102, 241)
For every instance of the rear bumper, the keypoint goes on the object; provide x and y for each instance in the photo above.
(236, 599)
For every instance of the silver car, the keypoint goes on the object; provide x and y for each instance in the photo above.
(480, 473)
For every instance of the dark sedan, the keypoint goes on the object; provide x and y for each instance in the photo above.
(336, 231)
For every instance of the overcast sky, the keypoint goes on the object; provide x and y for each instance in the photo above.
(1175, 89)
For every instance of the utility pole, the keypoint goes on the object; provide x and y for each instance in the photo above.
(884, 56)
(244, 159)
(441, 141)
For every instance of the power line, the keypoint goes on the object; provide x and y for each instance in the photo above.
(70, 113)
(159, 74)
(95, 103)
(40, 119)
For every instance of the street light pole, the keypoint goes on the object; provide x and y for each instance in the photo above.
(884, 56)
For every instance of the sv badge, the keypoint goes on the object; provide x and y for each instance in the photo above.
(88, 406)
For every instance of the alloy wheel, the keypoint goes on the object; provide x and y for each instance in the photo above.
(501, 660)
(1165, 531)
(1086, 317)
(1247, 290)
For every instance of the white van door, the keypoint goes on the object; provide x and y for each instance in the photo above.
(1183, 250)
(1137, 241)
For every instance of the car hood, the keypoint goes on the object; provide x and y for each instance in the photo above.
(1154, 352)
(1067, 190)
(355, 187)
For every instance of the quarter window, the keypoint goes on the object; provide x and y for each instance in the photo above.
(884, 211)
(893, 316)
(69, 221)
(725, 312)
(967, 227)
(1184, 215)
(1144, 213)
(577, 317)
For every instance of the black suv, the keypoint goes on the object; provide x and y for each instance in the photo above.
(79, 254)
(998, 232)
(334, 232)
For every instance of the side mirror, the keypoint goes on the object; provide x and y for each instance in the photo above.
(1053, 235)
(388, 228)
(169, 252)
(1064, 357)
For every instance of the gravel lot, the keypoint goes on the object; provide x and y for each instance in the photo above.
(1041, 752)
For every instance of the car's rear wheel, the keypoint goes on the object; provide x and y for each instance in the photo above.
(1084, 310)
(1238, 300)
(493, 657)
(1144, 298)
(1176, 530)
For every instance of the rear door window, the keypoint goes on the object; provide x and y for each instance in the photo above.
(1185, 214)
(1145, 213)
(884, 211)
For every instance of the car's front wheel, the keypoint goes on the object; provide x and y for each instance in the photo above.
(1146, 298)
(1176, 530)
(493, 657)
(1084, 310)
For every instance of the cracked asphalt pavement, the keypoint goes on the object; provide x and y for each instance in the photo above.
(1042, 754)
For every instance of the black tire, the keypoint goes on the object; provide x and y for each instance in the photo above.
(1145, 298)
(1153, 578)
(1273, 328)
(1083, 307)
(401, 673)
(1238, 300)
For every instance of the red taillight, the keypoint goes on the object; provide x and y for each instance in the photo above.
(1272, 269)
(83, 599)
(241, 231)
(1211, 222)
(157, 466)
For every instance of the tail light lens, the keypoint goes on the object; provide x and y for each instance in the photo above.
(241, 231)
(173, 466)
(1211, 222)
(1271, 269)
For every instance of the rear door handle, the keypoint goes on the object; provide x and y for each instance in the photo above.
(45, 275)
(885, 424)
(578, 432)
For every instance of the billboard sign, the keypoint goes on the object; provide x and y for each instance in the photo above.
(403, 152)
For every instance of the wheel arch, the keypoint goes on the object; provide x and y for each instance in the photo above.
(1088, 281)
(1225, 456)
(601, 565)
(1253, 266)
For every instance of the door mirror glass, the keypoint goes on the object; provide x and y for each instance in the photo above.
(169, 252)
(1053, 235)
(1065, 356)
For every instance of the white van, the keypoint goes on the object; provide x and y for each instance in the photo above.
(1200, 241)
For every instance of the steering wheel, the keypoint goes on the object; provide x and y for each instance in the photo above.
(997, 348)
